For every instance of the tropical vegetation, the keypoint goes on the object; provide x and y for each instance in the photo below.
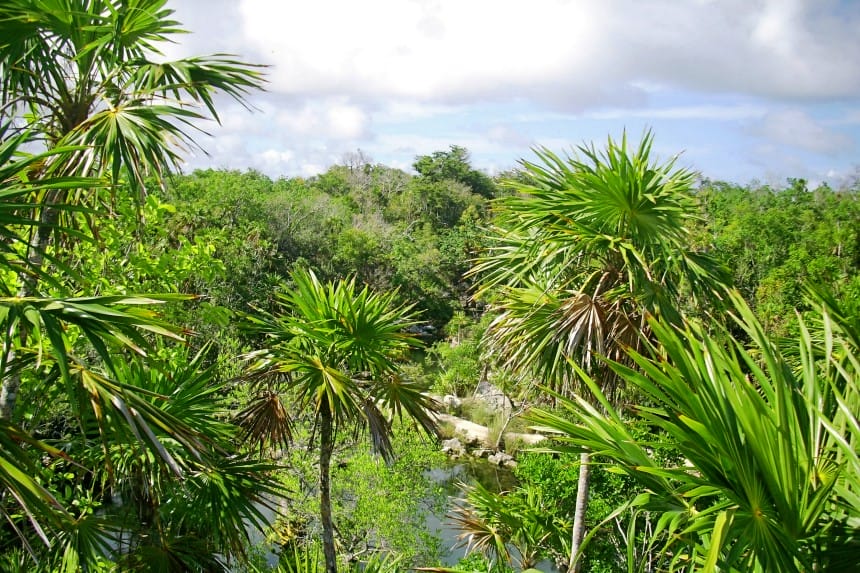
(199, 370)
(767, 434)
(335, 347)
(587, 248)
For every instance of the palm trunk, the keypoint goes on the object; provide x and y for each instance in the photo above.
(29, 283)
(11, 383)
(326, 447)
(578, 533)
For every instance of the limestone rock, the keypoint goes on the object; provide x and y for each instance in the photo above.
(493, 396)
(452, 404)
(468, 432)
(453, 447)
(502, 459)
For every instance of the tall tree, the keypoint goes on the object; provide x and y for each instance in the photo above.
(587, 246)
(454, 165)
(77, 82)
(89, 72)
(81, 75)
(334, 348)
(72, 351)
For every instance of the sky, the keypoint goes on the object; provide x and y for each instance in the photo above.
(741, 90)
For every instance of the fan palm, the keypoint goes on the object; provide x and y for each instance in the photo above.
(334, 347)
(82, 76)
(206, 515)
(492, 523)
(87, 72)
(306, 560)
(771, 473)
(77, 77)
(38, 337)
(585, 249)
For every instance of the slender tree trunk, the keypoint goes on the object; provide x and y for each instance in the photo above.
(578, 533)
(11, 383)
(510, 417)
(326, 447)
(28, 286)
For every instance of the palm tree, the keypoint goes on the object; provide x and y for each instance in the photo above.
(39, 336)
(88, 72)
(82, 76)
(201, 522)
(78, 79)
(768, 432)
(586, 247)
(493, 523)
(334, 348)
(152, 421)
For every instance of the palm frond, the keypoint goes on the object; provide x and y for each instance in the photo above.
(591, 244)
(764, 457)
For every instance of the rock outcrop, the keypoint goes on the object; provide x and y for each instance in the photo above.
(472, 438)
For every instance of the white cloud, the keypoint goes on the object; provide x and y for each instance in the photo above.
(346, 121)
(276, 160)
(327, 118)
(796, 128)
(310, 169)
(395, 111)
(404, 77)
(569, 54)
(706, 112)
(506, 135)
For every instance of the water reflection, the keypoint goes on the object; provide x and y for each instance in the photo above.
(494, 478)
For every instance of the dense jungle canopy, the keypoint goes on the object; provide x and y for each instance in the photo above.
(199, 369)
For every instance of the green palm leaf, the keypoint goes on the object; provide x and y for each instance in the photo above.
(334, 348)
(761, 488)
(79, 70)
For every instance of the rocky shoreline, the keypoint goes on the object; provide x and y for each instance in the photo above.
(471, 439)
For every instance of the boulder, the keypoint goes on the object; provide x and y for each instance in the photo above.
(502, 459)
(469, 433)
(493, 396)
(452, 404)
(453, 447)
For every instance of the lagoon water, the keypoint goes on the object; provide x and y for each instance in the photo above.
(449, 477)
(470, 471)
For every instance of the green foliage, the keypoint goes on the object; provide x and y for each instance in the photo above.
(378, 507)
(582, 252)
(775, 240)
(81, 73)
(307, 560)
(586, 247)
(386, 228)
(81, 416)
(494, 523)
(612, 547)
(384, 507)
(458, 358)
(477, 563)
(334, 348)
(338, 346)
(769, 479)
(454, 165)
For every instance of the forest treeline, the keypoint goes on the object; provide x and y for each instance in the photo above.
(201, 372)
(420, 234)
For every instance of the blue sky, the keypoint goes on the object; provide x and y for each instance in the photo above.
(742, 89)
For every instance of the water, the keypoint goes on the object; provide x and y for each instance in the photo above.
(447, 479)
(450, 477)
